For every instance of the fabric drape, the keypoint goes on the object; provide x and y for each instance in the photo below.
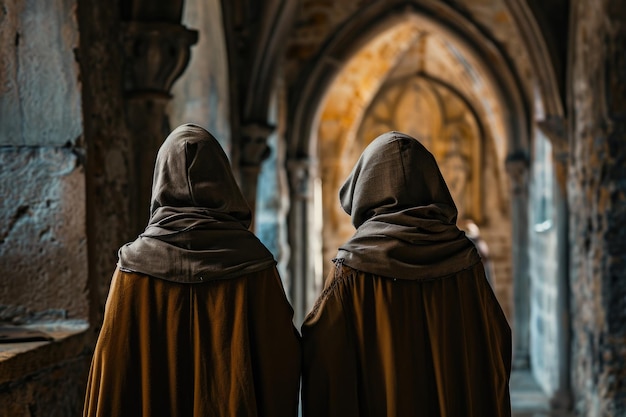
(198, 227)
(378, 347)
(404, 215)
(225, 348)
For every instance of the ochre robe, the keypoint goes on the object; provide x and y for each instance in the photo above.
(223, 348)
(381, 347)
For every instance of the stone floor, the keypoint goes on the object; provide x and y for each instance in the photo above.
(527, 399)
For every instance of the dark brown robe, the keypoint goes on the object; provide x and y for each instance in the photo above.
(376, 346)
(225, 348)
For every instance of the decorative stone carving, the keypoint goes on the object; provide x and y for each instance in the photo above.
(299, 172)
(156, 54)
(517, 167)
(254, 149)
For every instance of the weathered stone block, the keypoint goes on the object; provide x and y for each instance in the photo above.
(43, 251)
(57, 391)
(40, 101)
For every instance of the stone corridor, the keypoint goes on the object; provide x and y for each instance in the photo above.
(522, 102)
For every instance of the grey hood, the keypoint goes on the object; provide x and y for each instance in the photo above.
(198, 227)
(404, 215)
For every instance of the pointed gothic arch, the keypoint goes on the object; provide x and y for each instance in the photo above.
(309, 92)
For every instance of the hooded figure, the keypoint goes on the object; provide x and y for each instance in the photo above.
(196, 321)
(407, 324)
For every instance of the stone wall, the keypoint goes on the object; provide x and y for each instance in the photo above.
(42, 211)
(43, 245)
(597, 197)
(57, 390)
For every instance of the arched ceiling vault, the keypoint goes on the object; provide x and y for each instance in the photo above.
(256, 31)
(470, 43)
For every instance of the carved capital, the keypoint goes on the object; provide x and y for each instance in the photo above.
(299, 173)
(517, 167)
(156, 55)
(555, 130)
(254, 149)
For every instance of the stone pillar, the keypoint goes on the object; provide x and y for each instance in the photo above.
(156, 53)
(555, 129)
(253, 151)
(300, 267)
(561, 399)
(597, 198)
(517, 168)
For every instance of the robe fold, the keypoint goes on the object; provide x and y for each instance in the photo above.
(226, 348)
(375, 346)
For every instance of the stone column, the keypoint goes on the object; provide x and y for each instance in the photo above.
(517, 168)
(561, 400)
(156, 53)
(555, 130)
(253, 151)
(597, 198)
(300, 267)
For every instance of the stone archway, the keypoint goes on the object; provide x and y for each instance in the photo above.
(448, 119)
(311, 133)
